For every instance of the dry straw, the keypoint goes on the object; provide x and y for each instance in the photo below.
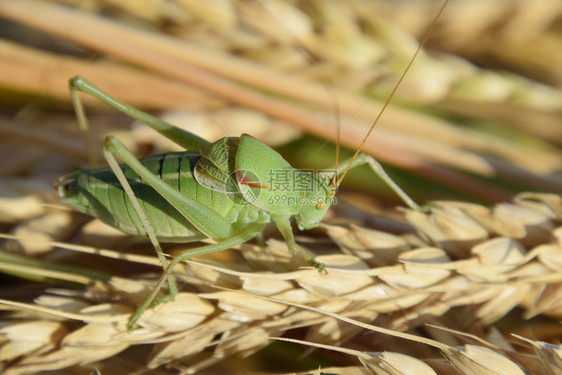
(421, 293)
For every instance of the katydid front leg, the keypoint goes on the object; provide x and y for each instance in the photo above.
(283, 223)
(379, 170)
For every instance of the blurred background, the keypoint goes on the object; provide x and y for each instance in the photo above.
(478, 116)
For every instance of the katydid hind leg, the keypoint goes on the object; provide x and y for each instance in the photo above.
(183, 138)
(141, 214)
(83, 124)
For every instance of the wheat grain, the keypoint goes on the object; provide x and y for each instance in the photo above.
(494, 276)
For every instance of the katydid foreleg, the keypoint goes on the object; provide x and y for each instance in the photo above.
(381, 173)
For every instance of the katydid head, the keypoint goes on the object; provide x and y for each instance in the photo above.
(316, 202)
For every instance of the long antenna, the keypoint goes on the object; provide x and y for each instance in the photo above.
(425, 37)
(334, 181)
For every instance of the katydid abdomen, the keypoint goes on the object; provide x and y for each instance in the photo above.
(98, 193)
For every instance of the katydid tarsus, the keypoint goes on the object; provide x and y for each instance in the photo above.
(225, 191)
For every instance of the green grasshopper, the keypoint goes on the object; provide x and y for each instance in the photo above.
(225, 191)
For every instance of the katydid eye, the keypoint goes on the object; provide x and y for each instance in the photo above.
(320, 205)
